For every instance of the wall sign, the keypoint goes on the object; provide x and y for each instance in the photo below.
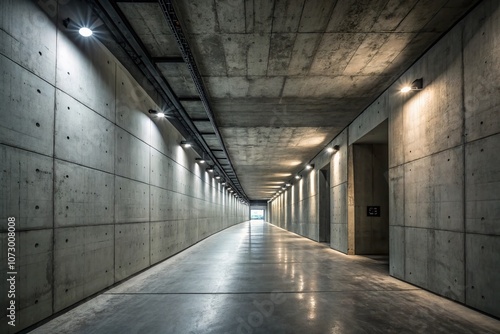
(373, 211)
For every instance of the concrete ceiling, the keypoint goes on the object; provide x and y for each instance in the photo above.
(285, 77)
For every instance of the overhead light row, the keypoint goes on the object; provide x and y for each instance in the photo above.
(87, 32)
(308, 167)
(210, 169)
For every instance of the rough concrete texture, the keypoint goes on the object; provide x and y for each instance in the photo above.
(443, 166)
(99, 190)
(297, 208)
(312, 65)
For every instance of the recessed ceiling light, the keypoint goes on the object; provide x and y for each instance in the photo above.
(85, 32)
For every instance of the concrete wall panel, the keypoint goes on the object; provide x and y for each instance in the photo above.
(132, 157)
(339, 218)
(166, 139)
(83, 196)
(82, 135)
(482, 177)
(416, 256)
(375, 114)
(27, 117)
(131, 201)
(87, 73)
(164, 241)
(338, 173)
(483, 274)
(131, 249)
(396, 128)
(28, 36)
(482, 73)
(132, 106)
(396, 196)
(434, 191)
(446, 265)
(26, 189)
(397, 251)
(161, 170)
(433, 117)
(33, 280)
(83, 263)
(160, 204)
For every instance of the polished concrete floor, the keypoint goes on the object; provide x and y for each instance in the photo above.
(257, 278)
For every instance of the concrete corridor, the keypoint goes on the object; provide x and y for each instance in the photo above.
(257, 278)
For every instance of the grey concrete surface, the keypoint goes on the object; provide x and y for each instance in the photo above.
(305, 66)
(257, 278)
(101, 190)
(443, 167)
(87, 173)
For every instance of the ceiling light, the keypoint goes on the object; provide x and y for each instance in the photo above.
(309, 166)
(415, 85)
(186, 144)
(200, 160)
(217, 177)
(85, 32)
(288, 184)
(223, 183)
(284, 188)
(210, 169)
(298, 177)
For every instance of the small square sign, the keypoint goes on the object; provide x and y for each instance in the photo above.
(373, 211)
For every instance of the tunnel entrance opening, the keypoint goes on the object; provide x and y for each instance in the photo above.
(324, 204)
(370, 193)
(257, 214)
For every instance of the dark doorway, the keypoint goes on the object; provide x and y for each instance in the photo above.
(324, 204)
(371, 193)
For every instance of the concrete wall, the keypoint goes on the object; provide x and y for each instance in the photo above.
(444, 167)
(99, 190)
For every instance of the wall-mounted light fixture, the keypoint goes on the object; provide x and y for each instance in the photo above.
(83, 30)
(333, 149)
(415, 85)
(288, 184)
(309, 166)
(298, 177)
(284, 188)
(156, 113)
(210, 169)
(217, 177)
(186, 144)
